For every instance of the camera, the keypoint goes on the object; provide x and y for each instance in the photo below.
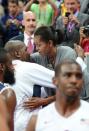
(86, 30)
(67, 14)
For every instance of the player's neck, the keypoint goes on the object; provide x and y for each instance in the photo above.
(66, 108)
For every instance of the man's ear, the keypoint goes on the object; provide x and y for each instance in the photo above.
(55, 81)
(17, 54)
(50, 43)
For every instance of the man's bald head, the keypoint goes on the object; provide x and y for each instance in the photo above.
(28, 13)
(17, 50)
(29, 22)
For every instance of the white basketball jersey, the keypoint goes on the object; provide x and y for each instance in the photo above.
(50, 120)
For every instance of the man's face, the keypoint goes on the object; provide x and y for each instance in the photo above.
(13, 8)
(70, 80)
(71, 5)
(42, 47)
(8, 76)
(29, 22)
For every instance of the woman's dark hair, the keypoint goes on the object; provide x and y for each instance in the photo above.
(49, 33)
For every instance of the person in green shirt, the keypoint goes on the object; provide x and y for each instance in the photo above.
(45, 11)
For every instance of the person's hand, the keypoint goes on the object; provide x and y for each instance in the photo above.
(8, 22)
(33, 103)
(16, 22)
(36, 102)
(82, 35)
(74, 19)
(65, 20)
(31, 1)
(79, 50)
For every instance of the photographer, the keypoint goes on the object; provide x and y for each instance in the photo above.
(71, 22)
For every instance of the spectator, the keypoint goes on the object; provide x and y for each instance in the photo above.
(13, 20)
(45, 11)
(84, 39)
(84, 43)
(29, 23)
(47, 39)
(21, 5)
(49, 54)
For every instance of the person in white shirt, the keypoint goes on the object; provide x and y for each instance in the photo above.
(68, 112)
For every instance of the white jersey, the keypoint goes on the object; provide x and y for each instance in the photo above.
(50, 120)
(27, 74)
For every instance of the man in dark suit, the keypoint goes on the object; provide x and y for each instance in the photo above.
(71, 22)
(29, 23)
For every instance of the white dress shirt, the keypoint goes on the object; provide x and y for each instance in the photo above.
(27, 37)
(27, 74)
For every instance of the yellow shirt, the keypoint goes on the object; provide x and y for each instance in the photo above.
(63, 9)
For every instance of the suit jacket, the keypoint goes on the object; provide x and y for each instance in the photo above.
(84, 5)
(19, 37)
(72, 37)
